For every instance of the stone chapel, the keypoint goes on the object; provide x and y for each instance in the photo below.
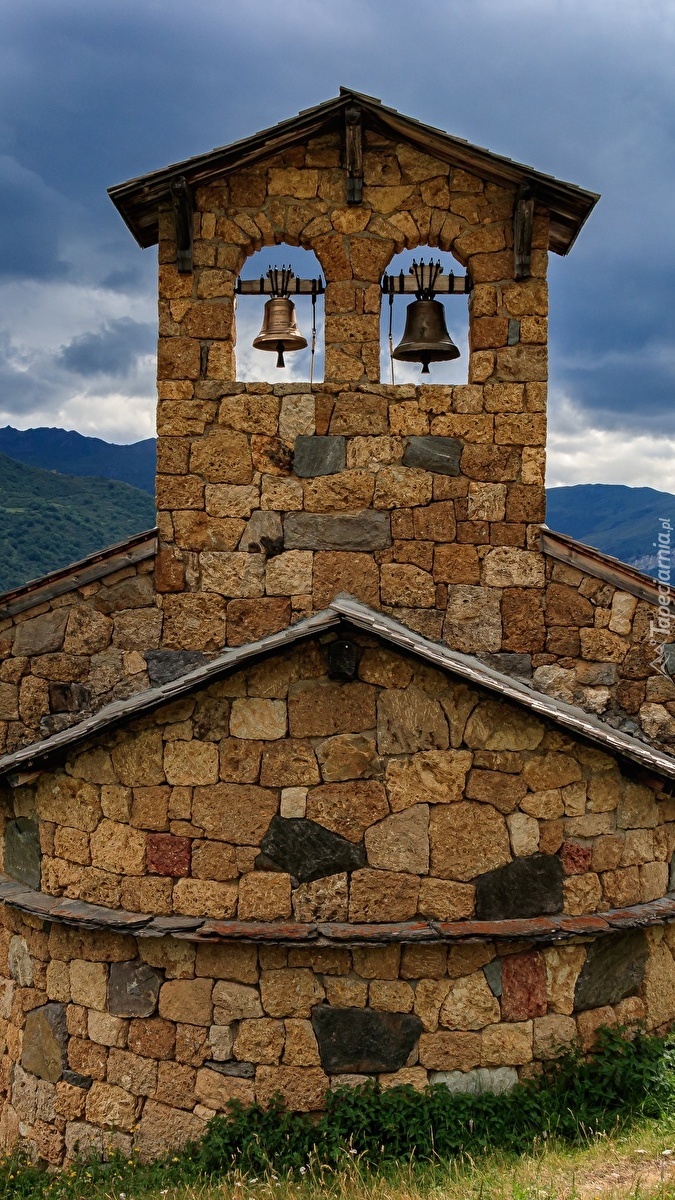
(351, 768)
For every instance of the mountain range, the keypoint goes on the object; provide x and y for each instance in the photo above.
(63, 496)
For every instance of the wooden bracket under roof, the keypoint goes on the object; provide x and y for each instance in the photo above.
(354, 153)
(523, 221)
(181, 201)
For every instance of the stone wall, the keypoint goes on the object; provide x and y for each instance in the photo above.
(114, 1042)
(578, 637)
(63, 658)
(228, 453)
(281, 792)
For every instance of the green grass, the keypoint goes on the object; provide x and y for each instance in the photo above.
(49, 520)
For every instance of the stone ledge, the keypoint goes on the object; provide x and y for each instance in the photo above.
(208, 929)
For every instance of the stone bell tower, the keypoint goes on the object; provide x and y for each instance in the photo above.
(422, 500)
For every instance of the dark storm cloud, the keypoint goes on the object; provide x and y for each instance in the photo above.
(33, 216)
(93, 94)
(113, 350)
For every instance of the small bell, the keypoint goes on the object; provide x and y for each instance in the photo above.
(425, 338)
(279, 328)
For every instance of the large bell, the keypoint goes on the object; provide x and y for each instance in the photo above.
(280, 329)
(425, 338)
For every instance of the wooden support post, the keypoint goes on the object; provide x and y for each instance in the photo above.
(523, 218)
(354, 154)
(182, 216)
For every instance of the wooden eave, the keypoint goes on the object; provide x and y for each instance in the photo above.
(568, 550)
(139, 200)
(67, 579)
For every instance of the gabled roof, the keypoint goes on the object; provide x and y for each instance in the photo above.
(345, 610)
(66, 579)
(138, 200)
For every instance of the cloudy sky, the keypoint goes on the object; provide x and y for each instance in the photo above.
(92, 94)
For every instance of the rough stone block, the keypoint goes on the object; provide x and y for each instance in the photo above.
(466, 840)
(614, 969)
(133, 989)
(309, 851)
(361, 531)
(363, 1040)
(44, 1042)
(348, 808)
(401, 842)
(409, 720)
(42, 635)
(438, 454)
(526, 887)
(319, 455)
(476, 1082)
(22, 851)
(523, 986)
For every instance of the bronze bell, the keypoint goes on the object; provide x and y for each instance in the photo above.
(425, 338)
(280, 329)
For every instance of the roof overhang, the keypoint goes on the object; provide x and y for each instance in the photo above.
(347, 610)
(139, 200)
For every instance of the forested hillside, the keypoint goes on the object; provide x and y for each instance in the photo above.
(49, 520)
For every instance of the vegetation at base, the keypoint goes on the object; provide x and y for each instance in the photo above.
(576, 1099)
(50, 520)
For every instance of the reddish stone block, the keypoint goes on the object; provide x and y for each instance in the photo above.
(523, 986)
(576, 859)
(168, 855)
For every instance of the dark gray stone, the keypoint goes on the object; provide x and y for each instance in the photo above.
(77, 1080)
(133, 989)
(369, 530)
(513, 334)
(308, 851)
(22, 851)
(240, 1070)
(526, 887)
(614, 969)
(319, 455)
(493, 975)
(44, 1042)
(362, 1040)
(263, 533)
(509, 663)
(42, 635)
(165, 665)
(438, 454)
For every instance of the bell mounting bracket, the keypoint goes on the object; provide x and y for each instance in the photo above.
(181, 203)
(354, 153)
(523, 220)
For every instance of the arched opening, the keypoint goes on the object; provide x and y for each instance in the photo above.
(255, 365)
(456, 318)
